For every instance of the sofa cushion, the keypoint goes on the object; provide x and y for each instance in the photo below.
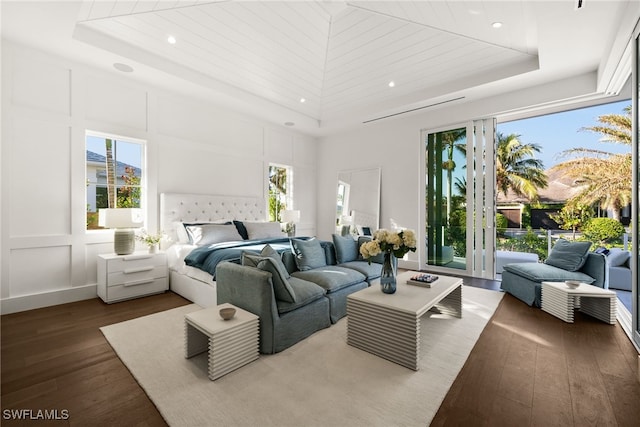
(546, 273)
(346, 248)
(617, 257)
(331, 277)
(569, 256)
(279, 275)
(306, 292)
(309, 254)
(370, 271)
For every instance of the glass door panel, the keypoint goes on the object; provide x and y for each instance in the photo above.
(459, 183)
(446, 230)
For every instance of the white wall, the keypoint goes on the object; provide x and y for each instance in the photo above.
(192, 146)
(395, 145)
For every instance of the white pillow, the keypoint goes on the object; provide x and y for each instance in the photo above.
(207, 234)
(181, 231)
(263, 230)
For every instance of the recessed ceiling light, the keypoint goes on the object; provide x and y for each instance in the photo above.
(171, 40)
(392, 83)
(289, 123)
(123, 67)
(496, 24)
(303, 100)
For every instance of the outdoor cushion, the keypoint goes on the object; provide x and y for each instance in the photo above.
(346, 248)
(569, 256)
(309, 254)
(332, 278)
(617, 257)
(543, 272)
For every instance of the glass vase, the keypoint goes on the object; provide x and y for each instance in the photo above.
(388, 276)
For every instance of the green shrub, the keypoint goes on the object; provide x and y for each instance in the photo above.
(530, 242)
(501, 223)
(601, 230)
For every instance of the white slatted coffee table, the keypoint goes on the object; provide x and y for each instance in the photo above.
(561, 301)
(231, 343)
(389, 325)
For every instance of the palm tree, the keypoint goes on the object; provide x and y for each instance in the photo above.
(451, 141)
(111, 174)
(606, 176)
(516, 168)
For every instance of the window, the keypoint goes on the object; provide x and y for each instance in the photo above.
(280, 197)
(114, 168)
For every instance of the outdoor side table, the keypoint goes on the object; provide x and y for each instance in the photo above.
(561, 301)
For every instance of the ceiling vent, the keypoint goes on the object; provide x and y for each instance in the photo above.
(414, 109)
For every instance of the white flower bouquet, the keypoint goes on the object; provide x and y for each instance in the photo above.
(398, 243)
(150, 239)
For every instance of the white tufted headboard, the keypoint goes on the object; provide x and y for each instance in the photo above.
(180, 207)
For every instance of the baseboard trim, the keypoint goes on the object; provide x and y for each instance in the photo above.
(46, 299)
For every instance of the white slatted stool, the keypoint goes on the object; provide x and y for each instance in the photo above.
(231, 343)
(560, 301)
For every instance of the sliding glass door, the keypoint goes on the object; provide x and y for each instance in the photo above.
(459, 210)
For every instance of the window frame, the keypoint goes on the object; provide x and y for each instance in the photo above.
(143, 173)
(288, 196)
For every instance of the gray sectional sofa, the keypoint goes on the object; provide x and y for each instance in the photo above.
(297, 292)
(567, 261)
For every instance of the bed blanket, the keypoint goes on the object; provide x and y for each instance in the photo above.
(207, 257)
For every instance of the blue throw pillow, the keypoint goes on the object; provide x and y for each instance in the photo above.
(569, 256)
(279, 274)
(346, 248)
(309, 254)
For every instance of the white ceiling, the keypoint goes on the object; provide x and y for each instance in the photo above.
(264, 56)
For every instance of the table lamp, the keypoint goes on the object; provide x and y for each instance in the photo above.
(124, 220)
(290, 218)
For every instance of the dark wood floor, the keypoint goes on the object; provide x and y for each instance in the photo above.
(527, 368)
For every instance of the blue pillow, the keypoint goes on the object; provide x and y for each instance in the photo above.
(569, 256)
(279, 275)
(309, 254)
(242, 230)
(346, 248)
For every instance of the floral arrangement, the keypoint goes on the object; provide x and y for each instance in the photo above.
(397, 243)
(150, 239)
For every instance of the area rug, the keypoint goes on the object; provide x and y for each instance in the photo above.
(320, 381)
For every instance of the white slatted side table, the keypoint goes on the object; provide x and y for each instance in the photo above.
(231, 343)
(560, 301)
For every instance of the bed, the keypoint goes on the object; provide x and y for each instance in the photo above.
(201, 211)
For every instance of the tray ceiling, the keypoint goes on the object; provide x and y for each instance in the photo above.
(338, 56)
(265, 57)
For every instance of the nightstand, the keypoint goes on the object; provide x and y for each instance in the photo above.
(122, 277)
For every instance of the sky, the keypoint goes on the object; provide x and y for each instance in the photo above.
(561, 131)
(129, 153)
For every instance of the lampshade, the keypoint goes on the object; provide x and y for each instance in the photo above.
(120, 218)
(290, 216)
(123, 220)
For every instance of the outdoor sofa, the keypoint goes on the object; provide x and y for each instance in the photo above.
(567, 261)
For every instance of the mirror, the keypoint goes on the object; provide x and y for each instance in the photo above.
(358, 202)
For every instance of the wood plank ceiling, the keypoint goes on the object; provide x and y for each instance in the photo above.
(337, 56)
